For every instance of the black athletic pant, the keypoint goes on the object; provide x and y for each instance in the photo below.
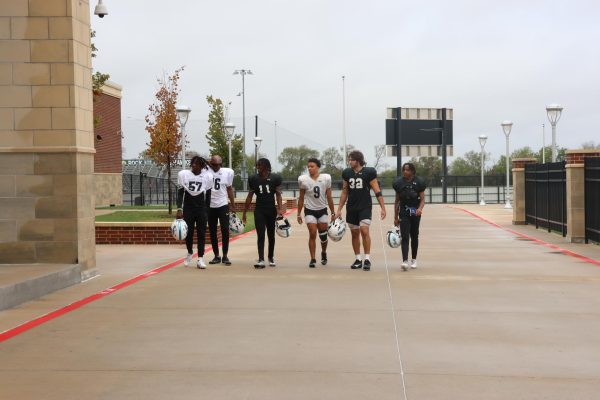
(195, 218)
(265, 218)
(409, 228)
(219, 214)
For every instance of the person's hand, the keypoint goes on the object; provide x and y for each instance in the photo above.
(419, 212)
(299, 219)
(279, 213)
(244, 218)
(332, 217)
(337, 215)
(396, 221)
(383, 213)
(179, 214)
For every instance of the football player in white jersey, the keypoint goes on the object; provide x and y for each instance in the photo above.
(193, 199)
(219, 208)
(315, 197)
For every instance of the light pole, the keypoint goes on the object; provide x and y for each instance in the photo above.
(183, 113)
(243, 73)
(543, 144)
(554, 111)
(507, 127)
(257, 141)
(229, 128)
(345, 151)
(482, 140)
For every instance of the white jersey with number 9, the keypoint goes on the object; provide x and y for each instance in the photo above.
(315, 190)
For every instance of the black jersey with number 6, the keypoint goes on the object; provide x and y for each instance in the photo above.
(359, 187)
(264, 189)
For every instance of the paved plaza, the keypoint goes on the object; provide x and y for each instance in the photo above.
(494, 311)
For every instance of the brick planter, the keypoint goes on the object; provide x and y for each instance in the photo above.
(155, 232)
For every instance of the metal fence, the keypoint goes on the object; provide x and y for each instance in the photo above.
(592, 199)
(141, 190)
(546, 196)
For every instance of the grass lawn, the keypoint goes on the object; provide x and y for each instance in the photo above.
(155, 216)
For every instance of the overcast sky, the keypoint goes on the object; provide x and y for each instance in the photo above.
(488, 60)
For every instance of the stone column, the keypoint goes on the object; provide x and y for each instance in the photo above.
(518, 171)
(46, 134)
(576, 193)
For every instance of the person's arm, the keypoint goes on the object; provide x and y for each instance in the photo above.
(207, 195)
(247, 205)
(397, 209)
(421, 203)
(279, 200)
(231, 198)
(343, 198)
(180, 193)
(330, 202)
(300, 205)
(379, 196)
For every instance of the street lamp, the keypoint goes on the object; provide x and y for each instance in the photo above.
(183, 113)
(554, 111)
(229, 128)
(243, 73)
(506, 127)
(482, 140)
(257, 141)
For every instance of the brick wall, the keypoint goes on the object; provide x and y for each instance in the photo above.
(108, 150)
(115, 233)
(578, 156)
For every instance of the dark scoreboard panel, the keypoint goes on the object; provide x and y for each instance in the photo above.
(418, 132)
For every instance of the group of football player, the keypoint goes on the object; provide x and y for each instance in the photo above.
(205, 194)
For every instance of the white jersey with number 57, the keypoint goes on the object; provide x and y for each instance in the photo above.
(315, 197)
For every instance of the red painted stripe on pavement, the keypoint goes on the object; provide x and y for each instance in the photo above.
(97, 296)
(534, 240)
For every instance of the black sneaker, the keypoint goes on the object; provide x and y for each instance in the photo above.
(357, 264)
(272, 262)
(367, 265)
(216, 260)
(225, 260)
(323, 258)
(259, 264)
(312, 263)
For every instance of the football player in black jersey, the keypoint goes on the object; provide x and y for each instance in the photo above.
(266, 186)
(193, 200)
(358, 182)
(408, 208)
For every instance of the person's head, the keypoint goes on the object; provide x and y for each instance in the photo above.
(408, 170)
(356, 158)
(216, 162)
(263, 166)
(198, 164)
(313, 166)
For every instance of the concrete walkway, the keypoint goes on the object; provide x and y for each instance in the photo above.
(488, 314)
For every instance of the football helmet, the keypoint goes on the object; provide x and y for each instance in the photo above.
(393, 237)
(179, 229)
(283, 227)
(236, 226)
(336, 229)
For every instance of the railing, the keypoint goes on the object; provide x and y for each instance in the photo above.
(592, 199)
(546, 196)
(142, 190)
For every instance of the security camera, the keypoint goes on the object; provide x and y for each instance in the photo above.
(100, 9)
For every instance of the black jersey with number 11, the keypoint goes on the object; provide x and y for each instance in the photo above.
(359, 187)
(264, 189)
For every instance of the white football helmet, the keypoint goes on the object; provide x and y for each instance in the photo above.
(179, 229)
(393, 237)
(336, 229)
(236, 226)
(283, 227)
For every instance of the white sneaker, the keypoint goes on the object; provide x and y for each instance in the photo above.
(404, 265)
(188, 260)
(413, 263)
(201, 264)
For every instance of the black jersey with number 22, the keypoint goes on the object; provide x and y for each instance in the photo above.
(359, 187)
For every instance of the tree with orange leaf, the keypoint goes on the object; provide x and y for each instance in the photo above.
(163, 127)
